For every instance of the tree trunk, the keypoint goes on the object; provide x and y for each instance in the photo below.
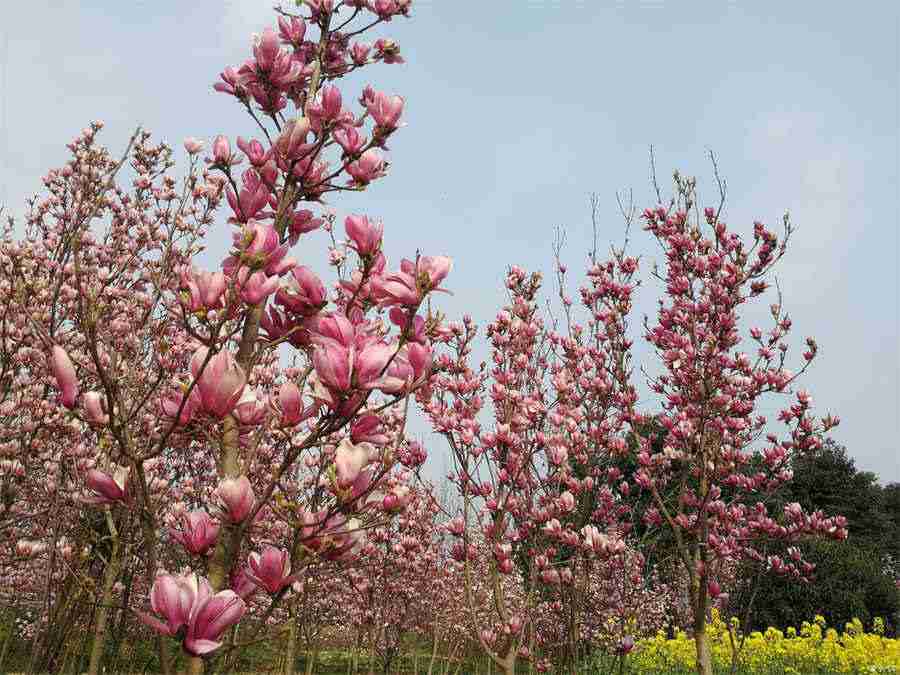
(704, 660)
(6, 641)
(434, 648)
(701, 639)
(195, 666)
(109, 578)
(290, 656)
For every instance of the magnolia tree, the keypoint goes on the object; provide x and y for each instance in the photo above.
(222, 453)
(722, 460)
(396, 581)
(148, 415)
(542, 482)
(534, 486)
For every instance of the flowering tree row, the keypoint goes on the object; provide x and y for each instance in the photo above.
(219, 457)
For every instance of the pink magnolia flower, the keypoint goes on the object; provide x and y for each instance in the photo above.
(385, 110)
(370, 166)
(388, 50)
(396, 288)
(211, 616)
(365, 235)
(334, 327)
(254, 150)
(108, 489)
(567, 502)
(222, 154)
(188, 602)
(291, 144)
(171, 598)
(241, 583)
(334, 365)
(266, 49)
(349, 460)
(271, 569)
(251, 200)
(290, 402)
(204, 290)
(367, 428)
(64, 373)
(171, 403)
(350, 140)
(359, 52)
(292, 31)
(236, 498)
(435, 269)
(93, 408)
(252, 408)
(258, 242)
(304, 292)
(413, 282)
(230, 84)
(400, 318)
(220, 384)
(193, 145)
(371, 360)
(330, 100)
(302, 222)
(257, 286)
(196, 531)
(410, 368)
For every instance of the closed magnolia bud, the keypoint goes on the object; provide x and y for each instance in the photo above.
(64, 372)
(222, 151)
(236, 498)
(365, 235)
(290, 402)
(93, 408)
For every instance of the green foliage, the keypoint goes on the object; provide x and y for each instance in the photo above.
(851, 581)
(854, 578)
(828, 480)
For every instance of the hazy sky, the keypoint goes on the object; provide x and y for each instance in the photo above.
(517, 110)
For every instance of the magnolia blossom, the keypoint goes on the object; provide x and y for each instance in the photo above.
(368, 167)
(252, 408)
(193, 145)
(221, 383)
(202, 290)
(93, 408)
(304, 293)
(349, 460)
(64, 372)
(189, 608)
(256, 286)
(196, 531)
(365, 236)
(236, 498)
(222, 153)
(290, 403)
(271, 569)
(385, 110)
(106, 489)
(413, 282)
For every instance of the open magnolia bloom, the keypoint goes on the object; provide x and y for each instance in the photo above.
(271, 569)
(191, 612)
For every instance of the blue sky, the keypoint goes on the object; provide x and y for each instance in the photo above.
(518, 110)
